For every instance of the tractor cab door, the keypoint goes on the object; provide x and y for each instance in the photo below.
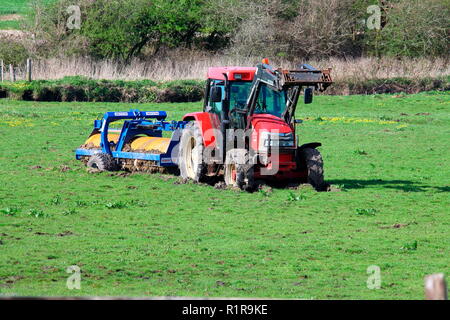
(216, 107)
(238, 103)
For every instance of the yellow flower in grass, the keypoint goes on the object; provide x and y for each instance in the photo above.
(19, 85)
(324, 120)
(17, 123)
(387, 122)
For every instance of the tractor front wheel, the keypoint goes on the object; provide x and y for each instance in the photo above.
(190, 156)
(312, 160)
(238, 170)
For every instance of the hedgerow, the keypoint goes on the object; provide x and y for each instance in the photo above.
(88, 90)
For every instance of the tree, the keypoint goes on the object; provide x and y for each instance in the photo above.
(414, 28)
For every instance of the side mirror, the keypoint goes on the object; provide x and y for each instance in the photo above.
(309, 95)
(216, 94)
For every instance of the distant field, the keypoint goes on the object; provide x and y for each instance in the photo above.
(16, 6)
(9, 25)
(13, 6)
(147, 235)
(11, 10)
(10, 13)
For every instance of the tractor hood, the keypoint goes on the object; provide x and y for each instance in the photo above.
(268, 122)
(268, 127)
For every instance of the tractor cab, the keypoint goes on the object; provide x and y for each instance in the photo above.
(228, 91)
(237, 95)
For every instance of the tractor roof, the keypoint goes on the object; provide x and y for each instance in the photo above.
(233, 73)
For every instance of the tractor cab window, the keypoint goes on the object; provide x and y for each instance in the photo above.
(270, 101)
(239, 91)
(216, 107)
(239, 94)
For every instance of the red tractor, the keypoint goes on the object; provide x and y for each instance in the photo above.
(247, 130)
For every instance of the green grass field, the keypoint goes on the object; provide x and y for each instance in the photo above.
(14, 7)
(17, 6)
(138, 235)
(10, 25)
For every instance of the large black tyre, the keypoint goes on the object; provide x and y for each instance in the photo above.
(102, 162)
(239, 171)
(313, 162)
(190, 153)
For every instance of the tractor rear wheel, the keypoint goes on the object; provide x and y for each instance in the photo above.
(102, 162)
(238, 170)
(190, 156)
(312, 159)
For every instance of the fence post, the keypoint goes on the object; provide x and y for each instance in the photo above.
(1, 71)
(29, 65)
(12, 73)
(435, 287)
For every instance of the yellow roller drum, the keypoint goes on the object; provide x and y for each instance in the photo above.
(138, 144)
(150, 144)
(94, 140)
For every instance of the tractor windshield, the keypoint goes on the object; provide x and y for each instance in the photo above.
(269, 101)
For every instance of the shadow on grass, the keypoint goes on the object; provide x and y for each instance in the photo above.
(403, 185)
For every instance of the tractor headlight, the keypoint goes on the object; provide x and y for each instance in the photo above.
(278, 143)
(277, 140)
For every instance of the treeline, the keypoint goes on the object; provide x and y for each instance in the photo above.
(300, 29)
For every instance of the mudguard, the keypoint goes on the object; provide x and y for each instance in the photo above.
(312, 145)
(209, 125)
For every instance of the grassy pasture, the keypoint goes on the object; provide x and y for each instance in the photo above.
(13, 6)
(9, 25)
(17, 6)
(147, 235)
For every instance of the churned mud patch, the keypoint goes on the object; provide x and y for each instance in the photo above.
(221, 185)
(423, 114)
(9, 281)
(181, 181)
(263, 187)
(92, 170)
(64, 168)
(395, 226)
(89, 146)
(49, 269)
(42, 233)
(122, 174)
(334, 189)
(65, 233)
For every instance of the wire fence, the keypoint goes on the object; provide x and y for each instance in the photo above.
(194, 66)
(15, 73)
